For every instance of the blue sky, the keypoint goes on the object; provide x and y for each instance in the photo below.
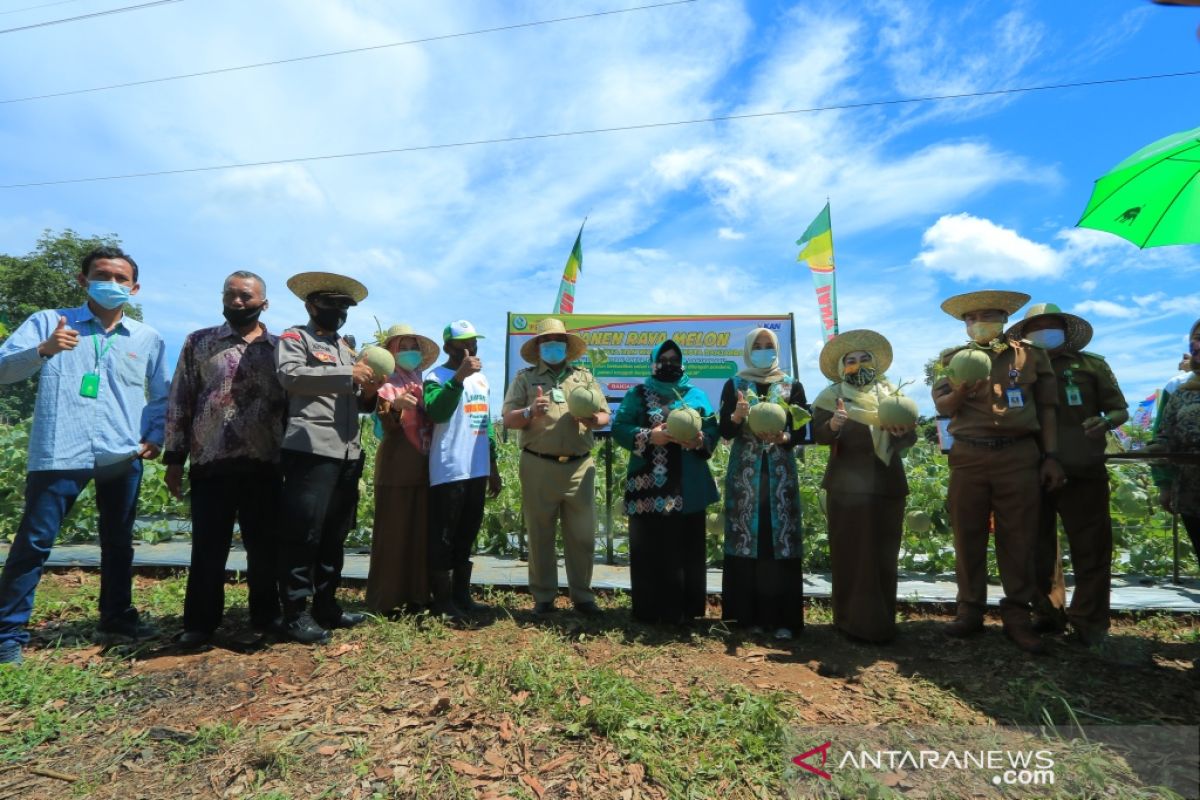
(928, 200)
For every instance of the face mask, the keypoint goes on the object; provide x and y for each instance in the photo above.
(108, 294)
(408, 360)
(1048, 339)
(861, 377)
(553, 352)
(329, 319)
(668, 373)
(763, 358)
(241, 317)
(984, 332)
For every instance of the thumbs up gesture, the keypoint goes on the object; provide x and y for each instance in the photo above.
(541, 404)
(741, 410)
(839, 416)
(60, 339)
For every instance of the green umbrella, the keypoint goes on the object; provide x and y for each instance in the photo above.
(1151, 198)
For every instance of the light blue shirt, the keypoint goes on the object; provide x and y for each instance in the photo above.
(71, 431)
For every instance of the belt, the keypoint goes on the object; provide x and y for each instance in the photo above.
(992, 443)
(559, 459)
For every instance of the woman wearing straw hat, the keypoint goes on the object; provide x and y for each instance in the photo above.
(558, 474)
(399, 574)
(762, 583)
(1004, 425)
(865, 482)
(1090, 404)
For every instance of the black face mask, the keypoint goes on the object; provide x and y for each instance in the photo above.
(241, 317)
(329, 319)
(668, 372)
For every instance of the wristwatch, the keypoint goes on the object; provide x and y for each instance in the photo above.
(527, 412)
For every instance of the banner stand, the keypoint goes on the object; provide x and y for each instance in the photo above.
(608, 500)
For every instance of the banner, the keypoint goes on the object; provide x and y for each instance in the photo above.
(816, 249)
(565, 302)
(619, 346)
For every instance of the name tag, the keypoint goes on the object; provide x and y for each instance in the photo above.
(556, 395)
(90, 385)
(1074, 397)
(1016, 399)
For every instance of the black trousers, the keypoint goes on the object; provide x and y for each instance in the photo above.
(252, 498)
(667, 567)
(1192, 526)
(455, 514)
(320, 497)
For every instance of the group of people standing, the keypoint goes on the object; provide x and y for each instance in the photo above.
(269, 428)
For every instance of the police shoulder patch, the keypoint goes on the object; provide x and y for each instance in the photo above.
(290, 335)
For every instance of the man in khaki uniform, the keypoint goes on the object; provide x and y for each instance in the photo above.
(1090, 404)
(558, 475)
(1003, 426)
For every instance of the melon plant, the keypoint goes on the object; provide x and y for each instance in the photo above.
(767, 418)
(968, 366)
(897, 411)
(918, 521)
(381, 361)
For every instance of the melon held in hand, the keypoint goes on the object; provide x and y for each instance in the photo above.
(584, 402)
(968, 366)
(767, 419)
(683, 424)
(381, 361)
(897, 411)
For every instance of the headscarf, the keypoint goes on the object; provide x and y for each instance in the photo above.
(753, 374)
(862, 406)
(665, 388)
(417, 426)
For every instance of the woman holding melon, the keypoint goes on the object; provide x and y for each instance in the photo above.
(398, 577)
(762, 412)
(867, 425)
(670, 431)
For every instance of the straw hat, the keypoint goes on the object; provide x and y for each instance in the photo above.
(1079, 330)
(306, 283)
(548, 326)
(836, 349)
(429, 348)
(961, 304)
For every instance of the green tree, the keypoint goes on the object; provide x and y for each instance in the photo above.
(45, 278)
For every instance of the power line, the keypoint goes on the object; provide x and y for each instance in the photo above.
(120, 10)
(594, 131)
(333, 53)
(34, 8)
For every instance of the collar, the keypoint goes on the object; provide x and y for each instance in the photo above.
(226, 331)
(317, 333)
(84, 314)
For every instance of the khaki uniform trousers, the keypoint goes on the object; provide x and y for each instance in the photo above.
(1003, 483)
(1083, 506)
(549, 491)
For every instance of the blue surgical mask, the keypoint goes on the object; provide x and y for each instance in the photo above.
(763, 358)
(108, 294)
(553, 352)
(1048, 339)
(408, 360)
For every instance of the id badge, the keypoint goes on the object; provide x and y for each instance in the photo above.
(556, 394)
(1015, 398)
(1074, 398)
(90, 385)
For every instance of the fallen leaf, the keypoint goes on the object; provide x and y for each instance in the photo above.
(556, 762)
(891, 778)
(520, 697)
(506, 731)
(494, 758)
(637, 773)
(465, 768)
(534, 785)
(341, 650)
(382, 773)
(328, 749)
(584, 700)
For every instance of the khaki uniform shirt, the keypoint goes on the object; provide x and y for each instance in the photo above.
(1098, 391)
(323, 401)
(988, 414)
(556, 433)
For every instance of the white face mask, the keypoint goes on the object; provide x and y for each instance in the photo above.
(1048, 339)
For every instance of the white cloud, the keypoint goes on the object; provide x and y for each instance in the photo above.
(1089, 285)
(730, 235)
(1105, 308)
(971, 249)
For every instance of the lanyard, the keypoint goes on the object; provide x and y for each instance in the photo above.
(108, 340)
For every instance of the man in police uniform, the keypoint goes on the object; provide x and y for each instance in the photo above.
(1004, 426)
(557, 472)
(322, 457)
(1090, 404)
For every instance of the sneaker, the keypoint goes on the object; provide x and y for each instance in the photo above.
(193, 640)
(346, 619)
(124, 630)
(305, 630)
(10, 652)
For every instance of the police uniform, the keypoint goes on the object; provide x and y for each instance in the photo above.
(322, 462)
(558, 478)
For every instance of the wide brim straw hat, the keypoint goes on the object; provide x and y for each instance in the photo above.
(549, 326)
(428, 347)
(851, 341)
(962, 304)
(1079, 330)
(306, 283)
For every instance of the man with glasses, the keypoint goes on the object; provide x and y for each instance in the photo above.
(322, 456)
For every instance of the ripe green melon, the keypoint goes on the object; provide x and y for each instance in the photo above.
(918, 521)
(968, 366)
(767, 418)
(683, 424)
(897, 410)
(381, 361)
(584, 401)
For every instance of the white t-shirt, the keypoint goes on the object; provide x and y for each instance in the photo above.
(460, 447)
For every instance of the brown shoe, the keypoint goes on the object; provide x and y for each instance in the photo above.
(1024, 637)
(964, 625)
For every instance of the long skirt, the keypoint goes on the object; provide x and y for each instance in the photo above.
(667, 567)
(864, 546)
(399, 573)
(763, 591)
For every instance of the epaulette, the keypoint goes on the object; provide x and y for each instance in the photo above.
(293, 334)
(1091, 354)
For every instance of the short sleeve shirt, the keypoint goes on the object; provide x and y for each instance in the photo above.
(989, 413)
(1086, 379)
(557, 433)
